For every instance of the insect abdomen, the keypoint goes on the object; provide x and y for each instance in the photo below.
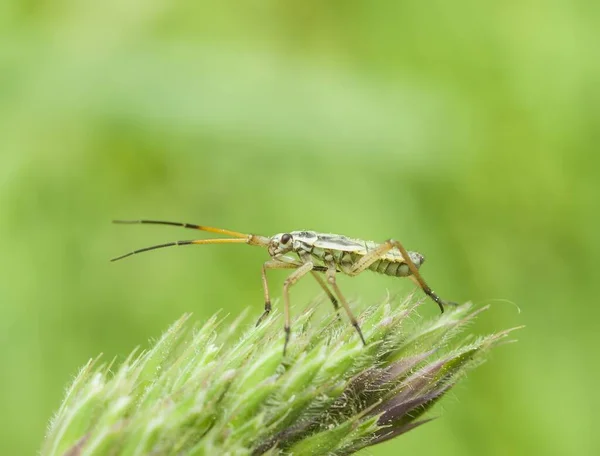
(391, 268)
(346, 260)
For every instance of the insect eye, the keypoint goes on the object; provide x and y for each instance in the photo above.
(285, 238)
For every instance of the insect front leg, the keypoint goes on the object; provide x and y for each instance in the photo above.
(271, 264)
(291, 280)
(331, 280)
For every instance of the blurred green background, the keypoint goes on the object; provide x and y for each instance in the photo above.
(466, 129)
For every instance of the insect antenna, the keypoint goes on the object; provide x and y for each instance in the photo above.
(177, 243)
(238, 238)
(209, 229)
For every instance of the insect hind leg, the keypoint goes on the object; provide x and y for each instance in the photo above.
(380, 251)
(416, 275)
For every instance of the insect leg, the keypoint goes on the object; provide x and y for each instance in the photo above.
(370, 258)
(291, 280)
(415, 273)
(323, 285)
(271, 264)
(381, 250)
(305, 258)
(331, 280)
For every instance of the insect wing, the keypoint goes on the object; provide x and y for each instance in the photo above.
(342, 243)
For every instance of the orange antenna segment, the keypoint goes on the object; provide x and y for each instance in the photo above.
(208, 229)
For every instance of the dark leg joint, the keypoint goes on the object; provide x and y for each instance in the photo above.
(335, 303)
(429, 292)
(287, 338)
(359, 331)
(440, 305)
(265, 313)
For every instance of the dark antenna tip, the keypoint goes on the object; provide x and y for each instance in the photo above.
(121, 257)
(153, 247)
(126, 222)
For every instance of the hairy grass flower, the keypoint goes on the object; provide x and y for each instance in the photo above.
(208, 390)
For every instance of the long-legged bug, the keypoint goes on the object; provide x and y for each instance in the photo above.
(317, 253)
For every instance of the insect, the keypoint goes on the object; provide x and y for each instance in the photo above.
(317, 253)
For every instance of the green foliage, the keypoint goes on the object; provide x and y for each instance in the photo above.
(200, 392)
